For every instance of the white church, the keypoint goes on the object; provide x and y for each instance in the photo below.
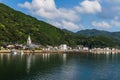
(30, 45)
(29, 42)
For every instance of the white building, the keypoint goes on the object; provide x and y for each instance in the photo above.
(85, 48)
(63, 47)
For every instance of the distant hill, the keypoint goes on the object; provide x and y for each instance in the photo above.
(67, 31)
(94, 32)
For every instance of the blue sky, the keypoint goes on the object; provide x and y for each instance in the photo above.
(73, 15)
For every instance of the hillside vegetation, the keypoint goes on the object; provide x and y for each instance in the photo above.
(15, 27)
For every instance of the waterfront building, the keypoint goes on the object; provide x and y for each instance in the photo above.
(85, 48)
(19, 46)
(107, 49)
(55, 48)
(113, 49)
(48, 48)
(63, 47)
(78, 47)
(10, 46)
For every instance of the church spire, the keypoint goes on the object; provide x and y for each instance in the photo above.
(29, 40)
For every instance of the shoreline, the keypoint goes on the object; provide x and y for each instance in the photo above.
(42, 51)
(68, 51)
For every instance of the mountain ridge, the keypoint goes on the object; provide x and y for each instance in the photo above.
(94, 32)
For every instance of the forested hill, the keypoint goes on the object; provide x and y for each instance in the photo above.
(94, 32)
(15, 27)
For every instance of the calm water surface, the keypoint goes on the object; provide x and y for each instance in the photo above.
(60, 67)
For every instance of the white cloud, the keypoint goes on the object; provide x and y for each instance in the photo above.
(56, 23)
(106, 25)
(47, 9)
(70, 26)
(110, 12)
(113, 1)
(115, 8)
(116, 18)
(115, 23)
(60, 17)
(66, 25)
(90, 7)
(110, 9)
(102, 24)
(43, 8)
(69, 15)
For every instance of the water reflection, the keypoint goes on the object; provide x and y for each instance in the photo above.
(59, 66)
(29, 58)
(105, 52)
(64, 58)
(46, 56)
(1, 56)
(8, 57)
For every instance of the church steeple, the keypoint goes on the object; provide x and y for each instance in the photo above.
(29, 40)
